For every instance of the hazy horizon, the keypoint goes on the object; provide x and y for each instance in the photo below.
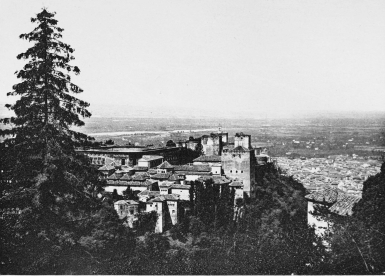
(122, 111)
(213, 58)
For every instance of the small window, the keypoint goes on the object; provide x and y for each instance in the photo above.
(236, 171)
(231, 171)
(241, 171)
(173, 211)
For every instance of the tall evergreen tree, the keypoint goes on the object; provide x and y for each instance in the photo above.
(52, 186)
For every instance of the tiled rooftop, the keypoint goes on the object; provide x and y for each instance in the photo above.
(126, 177)
(113, 177)
(161, 176)
(193, 168)
(140, 168)
(127, 183)
(106, 168)
(152, 171)
(180, 186)
(240, 149)
(341, 203)
(175, 177)
(208, 158)
(165, 165)
(150, 157)
(236, 184)
(328, 195)
(139, 177)
(126, 202)
(161, 198)
(149, 193)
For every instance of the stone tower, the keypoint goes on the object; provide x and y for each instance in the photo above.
(239, 163)
(225, 137)
(242, 140)
(212, 144)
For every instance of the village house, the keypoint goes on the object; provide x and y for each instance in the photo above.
(182, 190)
(208, 160)
(150, 161)
(167, 209)
(106, 170)
(145, 195)
(127, 209)
(192, 172)
(336, 200)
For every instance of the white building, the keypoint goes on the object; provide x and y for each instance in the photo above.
(167, 208)
(182, 190)
(336, 200)
(150, 161)
(127, 209)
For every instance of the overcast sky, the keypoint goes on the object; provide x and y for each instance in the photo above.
(221, 56)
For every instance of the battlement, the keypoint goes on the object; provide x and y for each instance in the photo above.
(242, 140)
(212, 144)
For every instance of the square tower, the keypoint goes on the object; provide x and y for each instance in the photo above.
(239, 163)
(212, 144)
(225, 137)
(242, 140)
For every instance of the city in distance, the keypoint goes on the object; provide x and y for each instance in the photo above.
(366, 129)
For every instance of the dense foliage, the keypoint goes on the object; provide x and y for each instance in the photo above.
(59, 225)
(271, 237)
(357, 243)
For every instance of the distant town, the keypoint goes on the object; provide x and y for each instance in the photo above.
(343, 171)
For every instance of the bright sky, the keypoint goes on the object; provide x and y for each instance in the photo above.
(221, 56)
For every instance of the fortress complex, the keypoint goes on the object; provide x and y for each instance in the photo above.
(160, 178)
(236, 161)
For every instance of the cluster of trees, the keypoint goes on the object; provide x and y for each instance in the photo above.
(272, 237)
(186, 155)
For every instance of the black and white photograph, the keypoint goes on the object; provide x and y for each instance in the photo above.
(192, 137)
